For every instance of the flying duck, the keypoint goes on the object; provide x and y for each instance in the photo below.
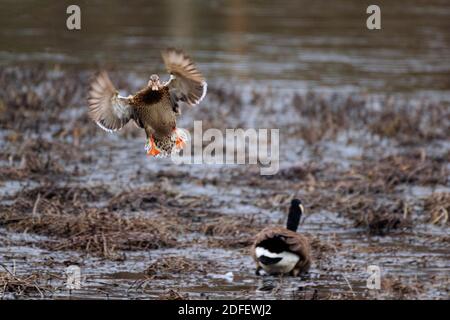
(153, 108)
(278, 250)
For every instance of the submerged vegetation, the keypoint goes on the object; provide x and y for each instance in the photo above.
(369, 169)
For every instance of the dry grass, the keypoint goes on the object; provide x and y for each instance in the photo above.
(92, 220)
(139, 199)
(395, 287)
(92, 230)
(229, 226)
(308, 171)
(411, 125)
(404, 121)
(380, 223)
(230, 232)
(404, 169)
(23, 285)
(35, 97)
(39, 159)
(174, 295)
(62, 213)
(325, 115)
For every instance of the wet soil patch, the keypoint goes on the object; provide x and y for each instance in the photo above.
(372, 172)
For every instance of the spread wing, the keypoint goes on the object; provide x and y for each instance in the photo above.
(106, 107)
(186, 82)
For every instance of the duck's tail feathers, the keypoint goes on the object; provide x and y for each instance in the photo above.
(165, 146)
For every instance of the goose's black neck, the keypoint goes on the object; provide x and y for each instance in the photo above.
(295, 213)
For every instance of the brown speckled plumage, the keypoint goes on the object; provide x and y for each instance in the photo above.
(153, 108)
(283, 250)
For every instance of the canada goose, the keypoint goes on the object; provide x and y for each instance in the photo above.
(155, 107)
(279, 250)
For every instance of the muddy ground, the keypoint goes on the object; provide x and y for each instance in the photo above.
(372, 171)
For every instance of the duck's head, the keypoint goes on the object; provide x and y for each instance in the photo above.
(295, 213)
(154, 82)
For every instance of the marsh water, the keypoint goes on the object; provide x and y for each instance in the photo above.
(257, 56)
(293, 44)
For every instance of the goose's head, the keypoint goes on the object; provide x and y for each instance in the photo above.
(298, 206)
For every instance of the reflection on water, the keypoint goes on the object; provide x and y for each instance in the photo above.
(297, 43)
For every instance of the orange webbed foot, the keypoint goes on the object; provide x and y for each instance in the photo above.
(151, 148)
(180, 138)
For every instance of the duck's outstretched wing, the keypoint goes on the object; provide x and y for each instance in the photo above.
(186, 83)
(106, 107)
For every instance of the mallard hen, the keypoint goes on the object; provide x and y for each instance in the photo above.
(153, 108)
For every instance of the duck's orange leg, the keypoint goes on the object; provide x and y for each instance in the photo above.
(180, 138)
(151, 147)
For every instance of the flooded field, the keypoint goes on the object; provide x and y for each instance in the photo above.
(364, 120)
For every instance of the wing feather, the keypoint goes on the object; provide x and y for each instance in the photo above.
(106, 107)
(186, 83)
